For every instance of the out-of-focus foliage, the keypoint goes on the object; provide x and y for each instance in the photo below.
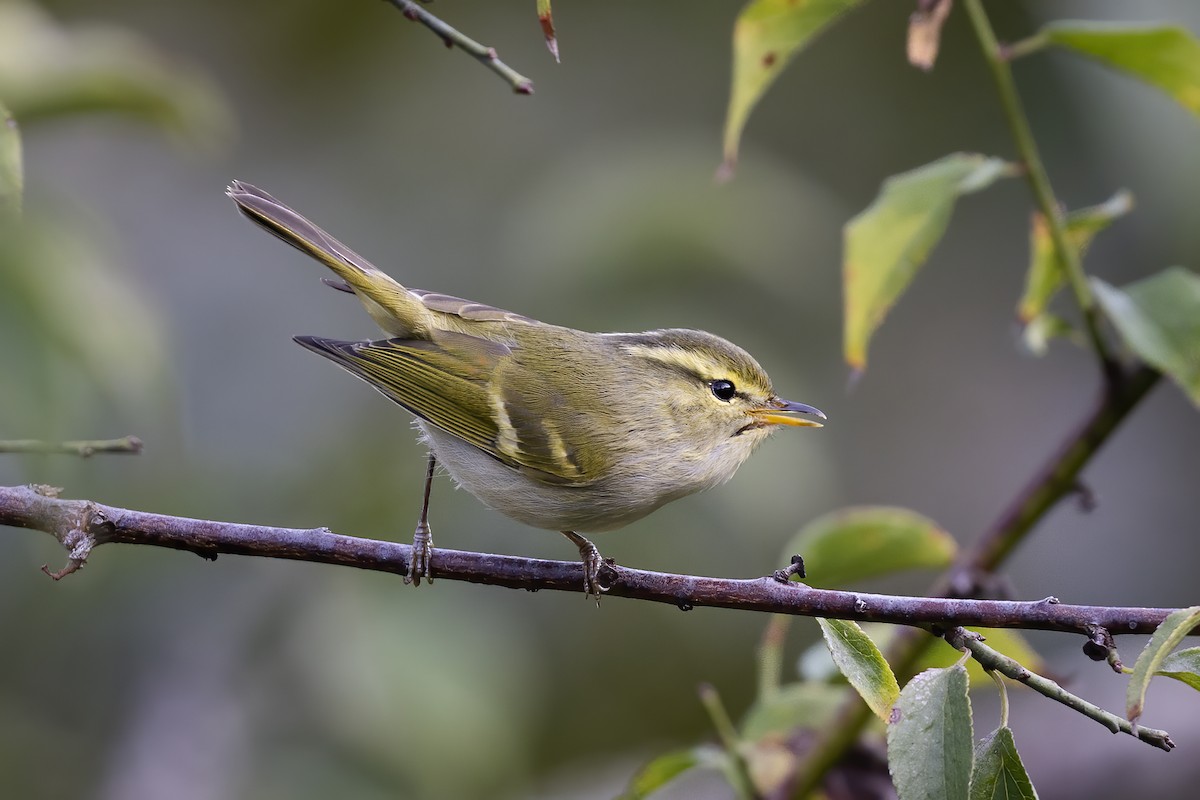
(12, 177)
(1046, 273)
(1159, 318)
(888, 242)
(852, 544)
(1164, 56)
(48, 70)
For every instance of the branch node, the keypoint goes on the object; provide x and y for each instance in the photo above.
(46, 490)
(796, 567)
(958, 637)
(1085, 497)
(1050, 600)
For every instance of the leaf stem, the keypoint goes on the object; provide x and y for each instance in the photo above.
(991, 660)
(997, 59)
(727, 733)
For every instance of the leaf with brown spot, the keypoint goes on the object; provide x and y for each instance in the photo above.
(766, 35)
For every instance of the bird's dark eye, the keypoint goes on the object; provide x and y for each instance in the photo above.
(723, 390)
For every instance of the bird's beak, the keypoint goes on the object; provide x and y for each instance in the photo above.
(782, 412)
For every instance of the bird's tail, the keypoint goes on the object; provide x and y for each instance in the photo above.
(392, 306)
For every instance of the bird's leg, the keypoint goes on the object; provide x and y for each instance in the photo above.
(592, 562)
(418, 567)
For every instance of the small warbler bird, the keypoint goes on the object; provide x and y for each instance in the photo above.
(557, 428)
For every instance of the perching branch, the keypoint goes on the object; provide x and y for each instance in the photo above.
(451, 36)
(993, 660)
(83, 449)
(1056, 479)
(81, 526)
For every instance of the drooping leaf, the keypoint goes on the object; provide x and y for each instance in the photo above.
(546, 20)
(1165, 56)
(48, 70)
(1183, 666)
(925, 32)
(1162, 642)
(12, 171)
(890, 240)
(863, 665)
(861, 542)
(766, 35)
(1046, 273)
(805, 705)
(929, 737)
(669, 766)
(999, 773)
(1159, 319)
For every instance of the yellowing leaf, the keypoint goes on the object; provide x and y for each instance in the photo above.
(1165, 56)
(1162, 642)
(1046, 273)
(861, 542)
(863, 665)
(1159, 318)
(766, 35)
(890, 240)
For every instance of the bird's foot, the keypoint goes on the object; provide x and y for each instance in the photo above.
(418, 567)
(593, 562)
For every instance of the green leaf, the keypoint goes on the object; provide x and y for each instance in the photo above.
(1162, 642)
(806, 705)
(12, 173)
(863, 665)
(1183, 666)
(864, 541)
(1046, 272)
(999, 773)
(1164, 56)
(669, 766)
(929, 737)
(1159, 318)
(47, 70)
(766, 35)
(886, 243)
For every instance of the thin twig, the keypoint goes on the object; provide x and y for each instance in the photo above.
(743, 784)
(451, 36)
(1038, 179)
(83, 448)
(1055, 480)
(67, 520)
(991, 659)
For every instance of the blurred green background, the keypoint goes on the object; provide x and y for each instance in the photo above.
(154, 674)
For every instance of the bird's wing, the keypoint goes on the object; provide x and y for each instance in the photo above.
(447, 381)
